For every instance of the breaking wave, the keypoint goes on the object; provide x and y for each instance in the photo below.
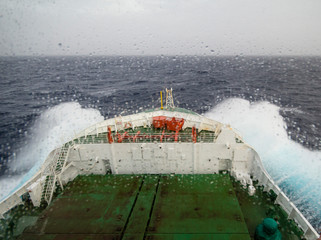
(54, 127)
(293, 167)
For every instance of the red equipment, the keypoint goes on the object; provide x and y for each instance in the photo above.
(110, 138)
(121, 137)
(159, 122)
(194, 134)
(161, 138)
(174, 124)
(136, 136)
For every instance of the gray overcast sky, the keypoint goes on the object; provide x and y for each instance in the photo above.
(169, 27)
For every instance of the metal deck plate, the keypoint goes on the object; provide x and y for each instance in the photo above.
(143, 207)
(196, 204)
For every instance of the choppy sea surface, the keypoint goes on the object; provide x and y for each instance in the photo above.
(274, 102)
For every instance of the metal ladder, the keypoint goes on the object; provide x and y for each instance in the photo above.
(61, 159)
(51, 172)
(49, 188)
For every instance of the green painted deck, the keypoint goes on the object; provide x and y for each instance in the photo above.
(143, 207)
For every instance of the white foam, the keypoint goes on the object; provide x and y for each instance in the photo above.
(54, 127)
(295, 168)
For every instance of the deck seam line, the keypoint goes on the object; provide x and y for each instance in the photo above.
(152, 208)
(205, 233)
(132, 209)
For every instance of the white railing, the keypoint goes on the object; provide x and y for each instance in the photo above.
(146, 119)
(48, 167)
(264, 179)
(14, 199)
(145, 137)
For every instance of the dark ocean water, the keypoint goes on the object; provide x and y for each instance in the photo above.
(123, 85)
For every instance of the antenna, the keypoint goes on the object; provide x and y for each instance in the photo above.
(161, 96)
(169, 98)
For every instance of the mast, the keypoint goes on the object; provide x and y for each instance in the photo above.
(169, 98)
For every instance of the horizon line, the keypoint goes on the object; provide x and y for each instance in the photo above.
(162, 55)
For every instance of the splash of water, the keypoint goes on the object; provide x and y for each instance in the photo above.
(293, 167)
(54, 127)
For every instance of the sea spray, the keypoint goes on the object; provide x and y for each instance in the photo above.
(293, 167)
(54, 127)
